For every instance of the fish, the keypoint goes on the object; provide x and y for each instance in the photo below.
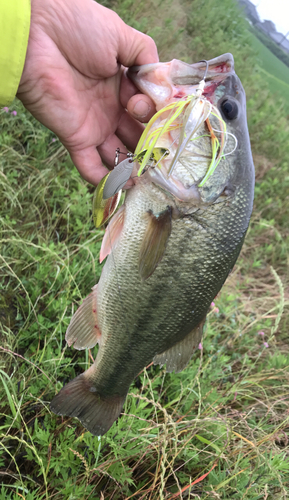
(174, 241)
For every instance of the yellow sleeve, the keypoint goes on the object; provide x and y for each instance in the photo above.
(14, 33)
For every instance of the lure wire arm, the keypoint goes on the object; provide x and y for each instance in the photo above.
(119, 152)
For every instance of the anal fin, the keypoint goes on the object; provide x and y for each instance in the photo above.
(79, 398)
(178, 356)
(154, 241)
(83, 331)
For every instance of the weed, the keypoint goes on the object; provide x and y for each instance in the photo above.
(219, 429)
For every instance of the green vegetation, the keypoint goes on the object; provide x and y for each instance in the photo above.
(272, 46)
(219, 429)
(274, 71)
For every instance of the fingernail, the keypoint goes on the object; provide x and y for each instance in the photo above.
(141, 109)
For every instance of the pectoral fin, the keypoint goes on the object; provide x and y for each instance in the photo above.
(154, 241)
(83, 331)
(112, 233)
(178, 356)
(103, 209)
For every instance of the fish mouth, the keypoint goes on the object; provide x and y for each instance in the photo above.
(175, 79)
(216, 69)
(189, 122)
(189, 74)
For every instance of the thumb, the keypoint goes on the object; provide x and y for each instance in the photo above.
(135, 48)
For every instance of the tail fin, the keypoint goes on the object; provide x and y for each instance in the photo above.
(79, 398)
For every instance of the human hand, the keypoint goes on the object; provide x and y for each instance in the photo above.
(75, 84)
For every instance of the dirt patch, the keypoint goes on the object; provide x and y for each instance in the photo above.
(262, 166)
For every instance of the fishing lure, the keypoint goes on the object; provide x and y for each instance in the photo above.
(185, 115)
(122, 171)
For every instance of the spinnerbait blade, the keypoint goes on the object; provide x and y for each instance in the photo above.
(118, 177)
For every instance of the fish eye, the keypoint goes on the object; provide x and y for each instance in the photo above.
(229, 108)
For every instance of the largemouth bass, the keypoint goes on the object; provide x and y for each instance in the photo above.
(174, 241)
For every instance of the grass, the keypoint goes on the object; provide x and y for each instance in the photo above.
(274, 70)
(270, 62)
(217, 430)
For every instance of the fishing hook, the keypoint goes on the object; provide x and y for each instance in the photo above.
(207, 67)
(202, 83)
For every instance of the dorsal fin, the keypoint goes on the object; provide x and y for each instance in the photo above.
(178, 356)
(112, 233)
(154, 241)
(83, 331)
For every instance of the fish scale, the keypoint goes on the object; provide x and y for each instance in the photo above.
(170, 249)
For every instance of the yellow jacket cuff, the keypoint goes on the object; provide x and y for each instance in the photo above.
(14, 33)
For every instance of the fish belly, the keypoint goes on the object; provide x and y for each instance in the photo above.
(158, 318)
(140, 319)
